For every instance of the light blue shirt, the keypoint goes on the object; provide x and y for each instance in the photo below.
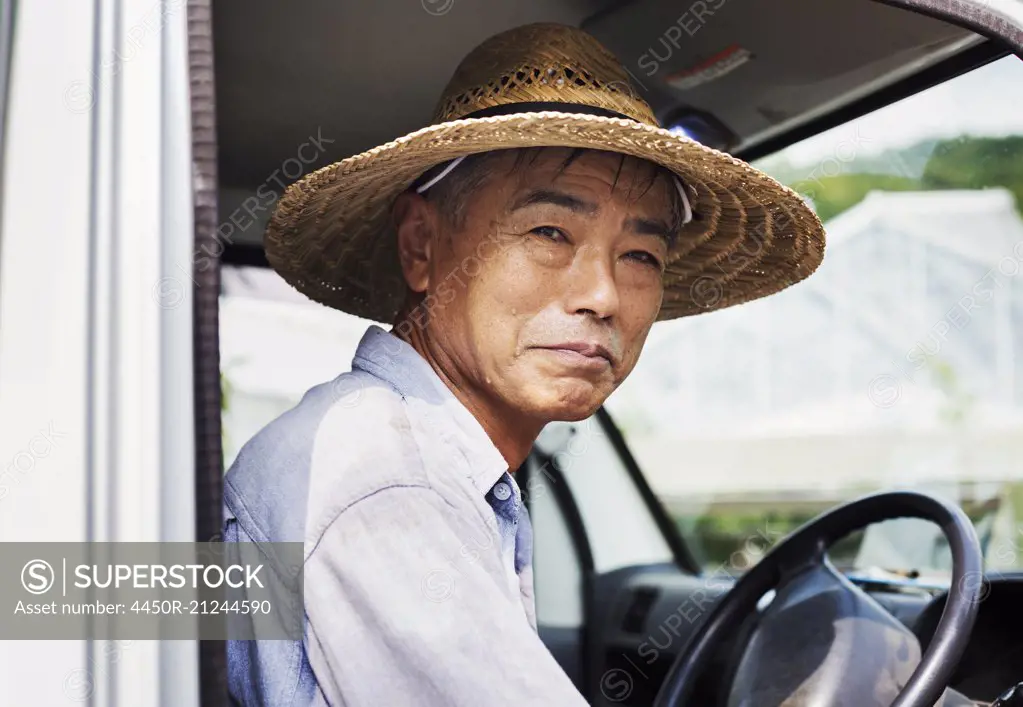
(418, 549)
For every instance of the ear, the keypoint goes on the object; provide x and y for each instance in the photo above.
(415, 224)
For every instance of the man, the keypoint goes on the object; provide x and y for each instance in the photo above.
(522, 246)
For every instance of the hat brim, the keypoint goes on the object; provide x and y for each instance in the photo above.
(330, 235)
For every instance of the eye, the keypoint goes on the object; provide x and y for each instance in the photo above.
(641, 256)
(551, 233)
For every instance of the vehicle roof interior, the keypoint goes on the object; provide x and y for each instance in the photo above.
(364, 73)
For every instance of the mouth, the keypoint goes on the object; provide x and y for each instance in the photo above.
(581, 354)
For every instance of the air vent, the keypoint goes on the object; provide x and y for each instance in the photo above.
(639, 607)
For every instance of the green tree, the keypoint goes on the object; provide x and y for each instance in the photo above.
(965, 162)
(977, 163)
(833, 195)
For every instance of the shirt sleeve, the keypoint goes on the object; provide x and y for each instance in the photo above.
(404, 608)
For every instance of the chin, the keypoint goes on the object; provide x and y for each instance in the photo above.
(571, 414)
(569, 405)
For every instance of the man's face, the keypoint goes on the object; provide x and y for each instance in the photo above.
(541, 297)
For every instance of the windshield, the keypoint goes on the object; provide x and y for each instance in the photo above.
(899, 364)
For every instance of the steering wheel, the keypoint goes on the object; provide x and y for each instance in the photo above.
(822, 640)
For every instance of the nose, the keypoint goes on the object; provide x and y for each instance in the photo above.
(591, 284)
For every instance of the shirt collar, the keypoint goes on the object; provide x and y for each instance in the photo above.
(389, 358)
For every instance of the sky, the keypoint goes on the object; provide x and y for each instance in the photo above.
(984, 102)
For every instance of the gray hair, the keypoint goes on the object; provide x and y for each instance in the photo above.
(451, 194)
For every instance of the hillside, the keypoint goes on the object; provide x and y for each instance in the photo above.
(963, 163)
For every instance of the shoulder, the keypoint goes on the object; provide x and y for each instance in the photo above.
(365, 445)
(346, 439)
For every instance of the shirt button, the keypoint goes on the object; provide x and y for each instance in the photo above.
(502, 492)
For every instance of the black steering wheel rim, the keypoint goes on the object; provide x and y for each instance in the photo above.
(808, 545)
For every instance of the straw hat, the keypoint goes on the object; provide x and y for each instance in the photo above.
(331, 237)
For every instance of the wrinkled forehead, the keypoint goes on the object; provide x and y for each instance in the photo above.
(603, 174)
(595, 176)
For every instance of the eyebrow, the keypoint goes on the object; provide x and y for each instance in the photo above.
(642, 226)
(555, 198)
(652, 227)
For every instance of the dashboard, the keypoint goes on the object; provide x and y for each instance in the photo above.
(993, 662)
(654, 611)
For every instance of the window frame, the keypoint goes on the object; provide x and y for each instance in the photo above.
(8, 15)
